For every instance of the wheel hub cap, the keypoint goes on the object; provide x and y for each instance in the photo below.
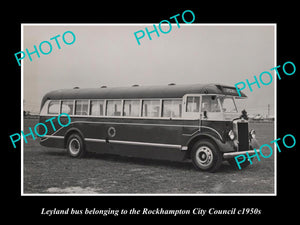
(204, 156)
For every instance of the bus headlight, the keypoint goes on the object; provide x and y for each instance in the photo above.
(231, 134)
(252, 134)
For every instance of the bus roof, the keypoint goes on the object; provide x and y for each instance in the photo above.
(162, 91)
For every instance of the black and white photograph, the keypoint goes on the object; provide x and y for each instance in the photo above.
(150, 113)
(148, 109)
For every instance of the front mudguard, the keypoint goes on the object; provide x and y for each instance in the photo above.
(227, 146)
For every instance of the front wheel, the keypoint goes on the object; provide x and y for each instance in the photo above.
(75, 146)
(206, 156)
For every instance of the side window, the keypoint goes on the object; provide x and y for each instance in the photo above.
(151, 108)
(97, 107)
(81, 107)
(113, 108)
(172, 108)
(67, 107)
(131, 108)
(53, 107)
(192, 104)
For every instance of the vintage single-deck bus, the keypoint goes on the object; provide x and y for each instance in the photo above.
(173, 122)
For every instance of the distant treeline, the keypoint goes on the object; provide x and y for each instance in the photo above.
(31, 116)
(264, 120)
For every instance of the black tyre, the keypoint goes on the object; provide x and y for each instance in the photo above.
(206, 156)
(75, 146)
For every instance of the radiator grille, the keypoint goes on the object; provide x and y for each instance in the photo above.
(243, 136)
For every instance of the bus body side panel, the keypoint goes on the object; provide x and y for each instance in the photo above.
(147, 138)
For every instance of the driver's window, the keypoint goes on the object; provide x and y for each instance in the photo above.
(210, 104)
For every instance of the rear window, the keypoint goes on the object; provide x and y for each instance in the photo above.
(53, 107)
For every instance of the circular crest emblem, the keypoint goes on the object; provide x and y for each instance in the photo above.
(111, 131)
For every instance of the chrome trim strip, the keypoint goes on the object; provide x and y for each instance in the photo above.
(95, 140)
(146, 144)
(52, 136)
(184, 148)
(45, 137)
(135, 143)
(228, 155)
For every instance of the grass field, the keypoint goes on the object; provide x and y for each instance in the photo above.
(52, 171)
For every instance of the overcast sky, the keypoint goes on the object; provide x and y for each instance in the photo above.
(109, 55)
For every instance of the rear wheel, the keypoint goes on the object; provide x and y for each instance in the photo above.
(206, 156)
(75, 146)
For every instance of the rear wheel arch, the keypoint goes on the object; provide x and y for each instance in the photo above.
(70, 132)
(75, 145)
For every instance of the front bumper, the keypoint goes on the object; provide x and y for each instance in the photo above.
(229, 155)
